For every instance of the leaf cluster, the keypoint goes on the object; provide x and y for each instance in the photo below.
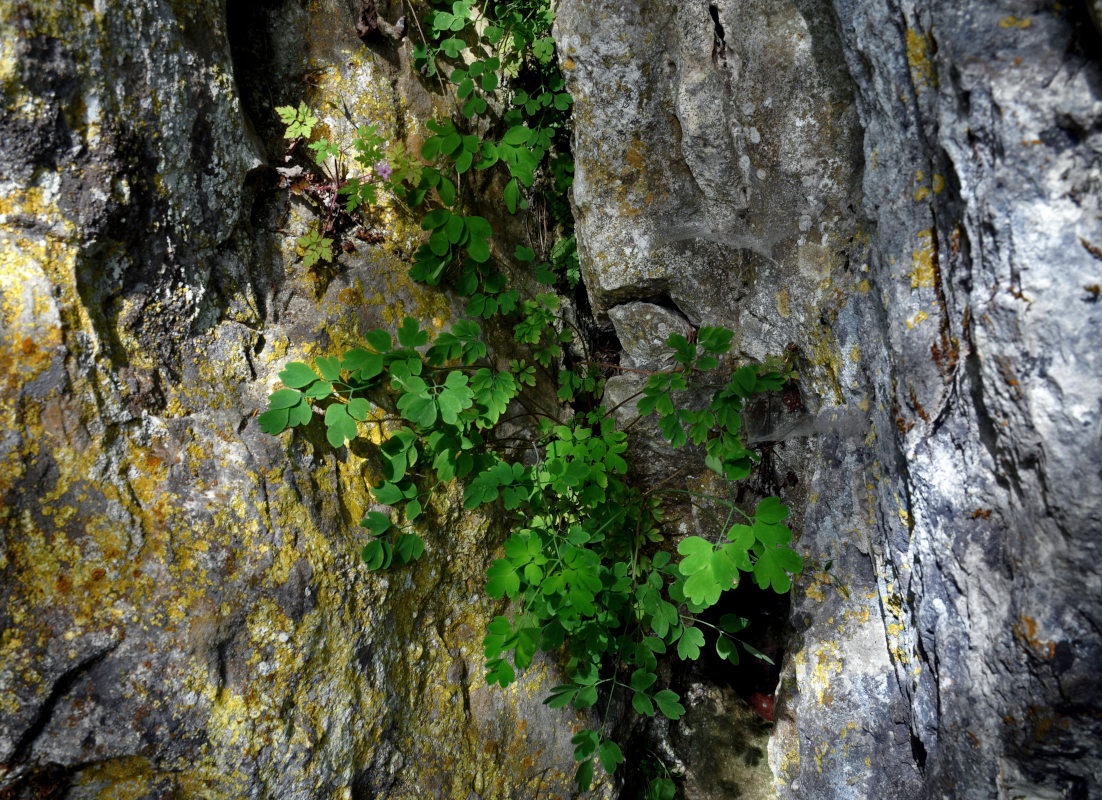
(585, 569)
(313, 247)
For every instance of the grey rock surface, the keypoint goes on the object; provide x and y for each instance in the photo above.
(642, 329)
(986, 199)
(907, 194)
(903, 195)
(719, 746)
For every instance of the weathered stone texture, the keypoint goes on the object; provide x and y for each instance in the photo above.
(182, 608)
(907, 193)
(903, 194)
(985, 124)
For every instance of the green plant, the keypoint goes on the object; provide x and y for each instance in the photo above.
(585, 570)
(313, 247)
(299, 121)
(580, 568)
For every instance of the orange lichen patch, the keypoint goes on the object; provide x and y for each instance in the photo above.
(1090, 248)
(1043, 719)
(917, 406)
(1006, 369)
(35, 276)
(1014, 22)
(946, 354)
(30, 323)
(1025, 629)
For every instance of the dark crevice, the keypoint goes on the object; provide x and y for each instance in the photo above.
(221, 651)
(252, 52)
(50, 782)
(1086, 29)
(601, 342)
(720, 47)
(62, 686)
(918, 752)
(753, 679)
(368, 23)
(262, 84)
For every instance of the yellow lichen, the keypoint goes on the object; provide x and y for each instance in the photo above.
(921, 316)
(160, 532)
(788, 766)
(922, 260)
(782, 303)
(918, 56)
(818, 676)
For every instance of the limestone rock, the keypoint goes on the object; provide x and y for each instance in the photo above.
(905, 194)
(643, 329)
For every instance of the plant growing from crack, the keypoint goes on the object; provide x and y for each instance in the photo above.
(585, 571)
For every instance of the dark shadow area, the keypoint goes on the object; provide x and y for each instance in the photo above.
(263, 83)
(754, 680)
(50, 782)
(767, 632)
(1086, 30)
(253, 52)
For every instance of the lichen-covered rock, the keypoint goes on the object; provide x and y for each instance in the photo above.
(742, 208)
(182, 607)
(905, 197)
(642, 329)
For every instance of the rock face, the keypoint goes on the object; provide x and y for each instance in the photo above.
(907, 195)
(182, 608)
(902, 196)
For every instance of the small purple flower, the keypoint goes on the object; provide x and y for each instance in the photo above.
(382, 169)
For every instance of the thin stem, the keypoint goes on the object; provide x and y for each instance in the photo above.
(667, 479)
(627, 399)
(607, 365)
(425, 41)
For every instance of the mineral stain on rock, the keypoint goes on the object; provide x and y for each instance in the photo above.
(182, 609)
(902, 197)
